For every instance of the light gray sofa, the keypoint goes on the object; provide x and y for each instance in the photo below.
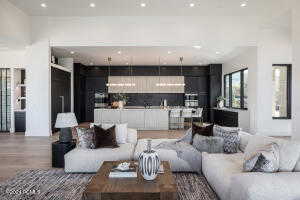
(90, 160)
(224, 172)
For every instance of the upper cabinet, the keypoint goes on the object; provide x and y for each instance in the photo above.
(146, 84)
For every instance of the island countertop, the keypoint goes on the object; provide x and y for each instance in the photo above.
(136, 117)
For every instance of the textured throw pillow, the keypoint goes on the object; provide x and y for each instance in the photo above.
(265, 159)
(202, 130)
(85, 138)
(121, 131)
(231, 138)
(208, 144)
(105, 138)
(289, 151)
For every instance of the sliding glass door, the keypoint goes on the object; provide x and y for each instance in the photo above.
(5, 88)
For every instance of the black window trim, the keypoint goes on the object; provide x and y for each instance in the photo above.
(289, 91)
(230, 89)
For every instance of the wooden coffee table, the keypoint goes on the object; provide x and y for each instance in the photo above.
(102, 187)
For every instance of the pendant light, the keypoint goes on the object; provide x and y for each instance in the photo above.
(109, 64)
(181, 72)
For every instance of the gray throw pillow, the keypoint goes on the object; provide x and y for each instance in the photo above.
(85, 138)
(188, 137)
(208, 144)
(265, 159)
(231, 138)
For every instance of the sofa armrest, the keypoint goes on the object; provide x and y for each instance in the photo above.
(132, 136)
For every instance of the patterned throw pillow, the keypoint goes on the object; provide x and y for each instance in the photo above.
(208, 144)
(231, 138)
(265, 159)
(85, 138)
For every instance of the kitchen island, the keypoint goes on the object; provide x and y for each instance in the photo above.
(137, 118)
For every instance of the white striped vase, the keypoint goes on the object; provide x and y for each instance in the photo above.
(149, 163)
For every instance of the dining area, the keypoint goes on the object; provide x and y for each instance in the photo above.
(183, 117)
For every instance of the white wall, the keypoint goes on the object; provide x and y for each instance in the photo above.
(38, 112)
(296, 70)
(247, 59)
(15, 25)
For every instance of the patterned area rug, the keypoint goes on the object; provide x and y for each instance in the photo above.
(57, 185)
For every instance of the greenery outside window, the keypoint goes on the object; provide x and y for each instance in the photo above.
(281, 103)
(236, 89)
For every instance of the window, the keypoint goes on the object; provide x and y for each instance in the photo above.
(236, 89)
(281, 105)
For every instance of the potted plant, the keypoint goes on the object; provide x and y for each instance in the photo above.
(120, 100)
(220, 102)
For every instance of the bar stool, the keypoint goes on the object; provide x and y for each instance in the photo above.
(175, 116)
(198, 114)
(187, 114)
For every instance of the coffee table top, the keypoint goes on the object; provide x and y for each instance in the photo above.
(101, 183)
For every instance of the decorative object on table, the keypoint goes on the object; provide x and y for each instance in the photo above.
(105, 137)
(202, 129)
(65, 121)
(149, 163)
(59, 150)
(231, 138)
(123, 170)
(85, 138)
(220, 102)
(122, 99)
(266, 159)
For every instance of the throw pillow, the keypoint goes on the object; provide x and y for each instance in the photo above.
(188, 136)
(289, 151)
(265, 159)
(202, 130)
(121, 131)
(230, 136)
(208, 144)
(85, 138)
(105, 138)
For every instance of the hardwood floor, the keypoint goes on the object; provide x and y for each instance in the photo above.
(18, 152)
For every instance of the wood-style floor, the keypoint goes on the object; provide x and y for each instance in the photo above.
(18, 152)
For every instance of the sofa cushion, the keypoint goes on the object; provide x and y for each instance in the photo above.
(264, 160)
(265, 186)
(230, 136)
(244, 139)
(218, 170)
(289, 151)
(208, 144)
(90, 160)
(177, 164)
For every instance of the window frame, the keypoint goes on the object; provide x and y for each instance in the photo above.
(242, 101)
(289, 91)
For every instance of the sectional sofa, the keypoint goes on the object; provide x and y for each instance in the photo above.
(222, 171)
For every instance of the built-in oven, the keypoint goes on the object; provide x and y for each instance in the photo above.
(101, 100)
(191, 100)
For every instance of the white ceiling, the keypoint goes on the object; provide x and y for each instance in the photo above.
(146, 55)
(153, 7)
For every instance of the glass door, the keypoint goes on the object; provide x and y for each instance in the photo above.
(5, 103)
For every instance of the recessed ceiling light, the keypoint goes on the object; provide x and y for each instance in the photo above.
(119, 52)
(92, 5)
(192, 4)
(143, 4)
(72, 52)
(91, 63)
(217, 52)
(244, 4)
(197, 47)
(43, 5)
(127, 63)
(169, 52)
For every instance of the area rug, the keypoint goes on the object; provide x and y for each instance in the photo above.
(57, 185)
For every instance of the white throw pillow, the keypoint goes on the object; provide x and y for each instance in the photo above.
(289, 151)
(121, 131)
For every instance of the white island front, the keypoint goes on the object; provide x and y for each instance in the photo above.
(140, 119)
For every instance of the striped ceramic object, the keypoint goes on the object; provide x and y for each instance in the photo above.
(149, 163)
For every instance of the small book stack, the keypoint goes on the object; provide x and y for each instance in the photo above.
(119, 173)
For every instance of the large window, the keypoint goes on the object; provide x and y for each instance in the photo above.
(281, 105)
(236, 89)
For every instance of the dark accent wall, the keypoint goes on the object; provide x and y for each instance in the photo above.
(88, 80)
(60, 86)
(215, 86)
